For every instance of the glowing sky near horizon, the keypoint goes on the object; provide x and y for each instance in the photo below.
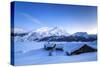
(73, 18)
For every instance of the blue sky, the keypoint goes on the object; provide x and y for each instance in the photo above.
(72, 18)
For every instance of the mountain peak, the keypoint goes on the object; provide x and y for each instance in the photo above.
(53, 31)
(43, 29)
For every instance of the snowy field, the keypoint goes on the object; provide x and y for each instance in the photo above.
(27, 53)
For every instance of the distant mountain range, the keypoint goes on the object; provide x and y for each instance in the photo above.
(52, 34)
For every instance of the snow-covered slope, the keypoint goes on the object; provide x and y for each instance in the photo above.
(40, 56)
(33, 53)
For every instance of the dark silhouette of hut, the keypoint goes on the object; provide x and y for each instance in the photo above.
(59, 49)
(84, 49)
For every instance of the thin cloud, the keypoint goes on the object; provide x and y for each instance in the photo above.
(32, 19)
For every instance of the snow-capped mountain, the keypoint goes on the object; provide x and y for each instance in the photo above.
(46, 32)
(81, 34)
(53, 34)
(56, 31)
(18, 32)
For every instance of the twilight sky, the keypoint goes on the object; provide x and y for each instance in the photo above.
(73, 18)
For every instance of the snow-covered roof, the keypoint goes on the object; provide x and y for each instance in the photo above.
(70, 47)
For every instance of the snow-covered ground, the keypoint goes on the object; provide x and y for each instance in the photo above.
(27, 53)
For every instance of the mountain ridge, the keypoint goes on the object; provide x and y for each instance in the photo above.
(56, 34)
